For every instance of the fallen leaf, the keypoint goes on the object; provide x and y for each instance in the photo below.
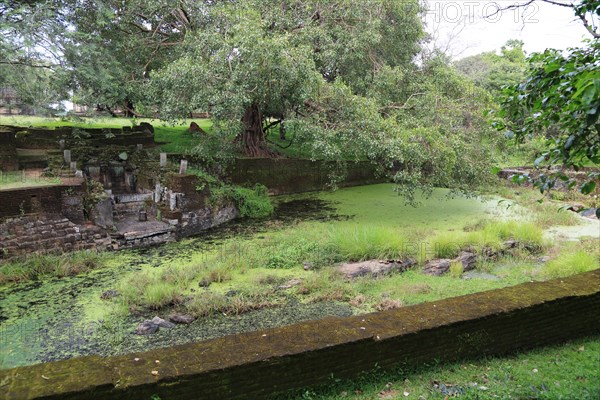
(45, 377)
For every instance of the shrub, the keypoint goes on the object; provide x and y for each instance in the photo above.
(252, 203)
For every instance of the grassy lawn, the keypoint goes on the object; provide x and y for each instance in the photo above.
(20, 179)
(568, 371)
(175, 138)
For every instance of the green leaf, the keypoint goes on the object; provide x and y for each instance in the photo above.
(588, 187)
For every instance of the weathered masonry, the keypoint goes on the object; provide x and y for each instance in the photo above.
(266, 363)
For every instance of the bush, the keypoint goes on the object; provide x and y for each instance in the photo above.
(252, 203)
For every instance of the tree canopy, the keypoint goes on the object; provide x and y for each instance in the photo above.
(342, 75)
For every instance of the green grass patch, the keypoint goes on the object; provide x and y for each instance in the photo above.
(571, 262)
(37, 266)
(566, 371)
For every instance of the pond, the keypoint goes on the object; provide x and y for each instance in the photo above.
(60, 318)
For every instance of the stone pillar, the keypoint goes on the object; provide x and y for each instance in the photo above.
(172, 201)
(67, 155)
(61, 144)
(163, 160)
(140, 146)
(157, 193)
(73, 165)
(183, 167)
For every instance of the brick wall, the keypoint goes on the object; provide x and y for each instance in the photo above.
(46, 234)
(283, 176)
(43, 199)
(263, 364)
(8, 152)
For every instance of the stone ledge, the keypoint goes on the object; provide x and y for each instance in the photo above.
(265, 363)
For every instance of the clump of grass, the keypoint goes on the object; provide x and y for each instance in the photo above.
(326, 286)
(446, 245)
(360, 243)
(37, 266)
(388, 304)
(526, 233)
(490, 237)
(160, 294)
(569, 263)
(456, 269)
(208, 303)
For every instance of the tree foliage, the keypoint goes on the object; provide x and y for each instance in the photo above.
(562, 91)
(494, 71)
(341, 74)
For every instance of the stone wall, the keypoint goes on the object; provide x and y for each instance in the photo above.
(285, 176)
(48, 138)
(47, 234)
(43, 199)
(264, 364)
(8, 152)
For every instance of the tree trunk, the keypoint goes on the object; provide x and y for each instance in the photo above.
(253, 136)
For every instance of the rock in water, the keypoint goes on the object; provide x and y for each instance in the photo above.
(162, 323)
(374, 268)
(437, 267)
(181, 318)
(146, 328)
(290, 284)
(109, 294)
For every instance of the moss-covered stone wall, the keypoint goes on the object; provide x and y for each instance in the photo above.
(285, 176)
(263, 364)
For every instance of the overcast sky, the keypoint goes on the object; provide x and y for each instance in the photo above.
(540, 26)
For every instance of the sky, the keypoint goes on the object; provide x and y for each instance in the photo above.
(463, 25)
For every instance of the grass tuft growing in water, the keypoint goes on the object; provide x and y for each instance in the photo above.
(36, 266)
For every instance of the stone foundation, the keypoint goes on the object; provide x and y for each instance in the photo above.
(48, 233)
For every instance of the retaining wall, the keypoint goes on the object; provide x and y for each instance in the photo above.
(285, 176)
(42, 199)
(266, 363)
(48, 234)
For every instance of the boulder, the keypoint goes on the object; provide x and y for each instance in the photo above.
(162, 323)
(145, 126)
(374, 268)
(592, 213)
(146, 328)
(467, 259)
(290, 284)
(109, 294)
(437, 267)
(195, 128)
(181, 318)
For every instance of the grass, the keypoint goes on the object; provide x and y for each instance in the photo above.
(490, 236)
(175, 138)
(19, 179)
(566, 371)
(37, 266)
(571, 262)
